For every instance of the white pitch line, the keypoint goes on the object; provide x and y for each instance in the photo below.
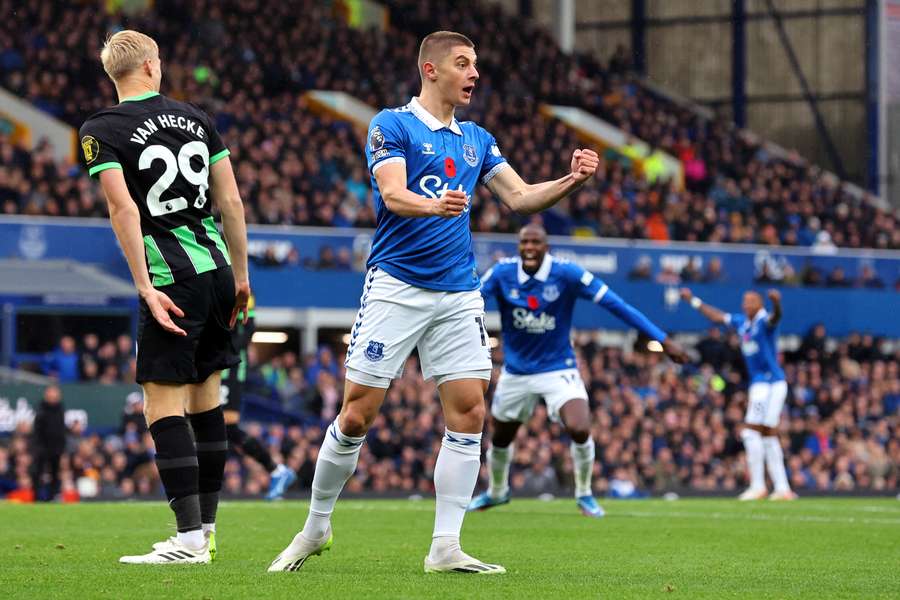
(786, 518)
(424, 506)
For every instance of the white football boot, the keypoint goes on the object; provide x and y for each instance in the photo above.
(300, 549)
(751, 494)
(453, 560)
(170, 552)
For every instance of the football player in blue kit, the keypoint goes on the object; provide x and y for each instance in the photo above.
(421, 291)
(768, 389)
(536, 295)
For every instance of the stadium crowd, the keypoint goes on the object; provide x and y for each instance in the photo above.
(250, 68)
(658, 429)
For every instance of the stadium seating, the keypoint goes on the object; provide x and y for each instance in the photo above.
(296, 166)
(250, 68)
(655, 429)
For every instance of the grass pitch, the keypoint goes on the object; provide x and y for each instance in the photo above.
(828, 548)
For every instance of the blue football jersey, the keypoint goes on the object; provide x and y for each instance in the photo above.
(434, 253)
(536, 311)
(759, 345)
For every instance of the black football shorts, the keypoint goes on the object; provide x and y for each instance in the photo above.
(207, 300)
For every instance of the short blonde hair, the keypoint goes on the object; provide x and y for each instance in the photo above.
(126, 51)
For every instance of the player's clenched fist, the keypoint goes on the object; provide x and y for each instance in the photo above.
(675, 351)
(584, 164)
(451, 203)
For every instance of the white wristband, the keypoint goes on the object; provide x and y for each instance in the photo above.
(696, 303)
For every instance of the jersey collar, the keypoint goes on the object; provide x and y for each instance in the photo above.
(542, 273)
(416, 108)
(140, 97)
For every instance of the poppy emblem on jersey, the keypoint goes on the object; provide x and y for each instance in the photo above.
(376, 139)
(91, 148)
(551, 293)
(469, 155)
(375, 351)
(449, 167)
(533, 303)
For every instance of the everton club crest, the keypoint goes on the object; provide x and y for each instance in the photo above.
(469, 155)
(375, 351)
(551, 293)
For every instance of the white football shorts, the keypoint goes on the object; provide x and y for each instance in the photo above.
(765, 403)
(394, 317)
(517, 395)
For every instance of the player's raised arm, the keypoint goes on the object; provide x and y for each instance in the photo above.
(710, 312)
(612, 302)
(525, 198)
(595, 290)
(126, 223)
(775, 299)
(226, 196)
(391, 179)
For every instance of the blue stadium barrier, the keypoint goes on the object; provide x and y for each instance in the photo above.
(284, 271)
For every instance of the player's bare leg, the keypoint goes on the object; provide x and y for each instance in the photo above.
(337, 460)
(176, 460)
(576, 417)
(455, 474)
(499, 459)
(208, 421)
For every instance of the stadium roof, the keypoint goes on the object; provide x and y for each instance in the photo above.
(76, 282)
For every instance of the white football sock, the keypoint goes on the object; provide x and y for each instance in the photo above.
(336, 463)
(455, 474)
(499, 460)
(755, 460)
(775, 463)
(205, 527)
(583, 464)
(192, 539)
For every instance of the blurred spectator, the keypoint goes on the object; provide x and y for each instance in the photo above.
(133, 420)
(658, 428)
(668, 276)
(837, 278)
(327, 260)
(813, 346)
(811, 276)
(737, 192)
(63, 362)
(712, 349)
(868, 278)
(691, 272)
(620, 62)
(643, 269)
(714, 272)
(49, 443)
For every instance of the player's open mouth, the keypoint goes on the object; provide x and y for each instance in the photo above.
(468, 90)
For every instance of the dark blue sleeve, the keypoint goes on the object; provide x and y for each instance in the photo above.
(584, 283)
(629, 314)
